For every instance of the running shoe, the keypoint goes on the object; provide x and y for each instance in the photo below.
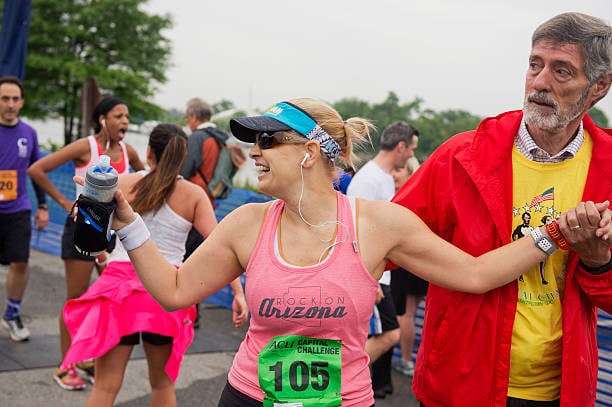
(86, 370)
(405, 368)
(16, 330)
(68, 379)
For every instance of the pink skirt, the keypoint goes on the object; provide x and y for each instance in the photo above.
(117, 305)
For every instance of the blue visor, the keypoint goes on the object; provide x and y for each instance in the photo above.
(292, 117)
(281, 116)
(284, 116)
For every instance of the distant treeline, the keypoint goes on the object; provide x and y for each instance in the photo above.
(434, 127)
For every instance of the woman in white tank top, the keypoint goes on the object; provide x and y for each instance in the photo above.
(117, 304)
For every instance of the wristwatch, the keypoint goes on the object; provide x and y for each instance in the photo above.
(44, 206)
(542, 242)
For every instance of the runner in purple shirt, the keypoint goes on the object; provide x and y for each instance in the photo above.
(18, 149)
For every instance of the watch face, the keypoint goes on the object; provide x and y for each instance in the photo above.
(543, 243)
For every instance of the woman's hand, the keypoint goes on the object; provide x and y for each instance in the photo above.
(240, 310)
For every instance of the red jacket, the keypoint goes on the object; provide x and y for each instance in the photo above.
(464, 193)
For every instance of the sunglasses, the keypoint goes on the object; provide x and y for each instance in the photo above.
(269, 140)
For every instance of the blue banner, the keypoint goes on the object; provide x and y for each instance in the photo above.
(14, 37)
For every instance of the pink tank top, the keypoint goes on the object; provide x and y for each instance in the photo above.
(122, 167)
(332, 300)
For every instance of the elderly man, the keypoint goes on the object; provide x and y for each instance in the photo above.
(531, 342)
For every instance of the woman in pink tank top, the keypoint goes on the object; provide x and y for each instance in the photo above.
(312, 261)
(111, 120)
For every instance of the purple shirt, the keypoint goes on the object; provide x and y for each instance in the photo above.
(18, 149)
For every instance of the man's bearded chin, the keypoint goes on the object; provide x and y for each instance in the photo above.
(550, 120)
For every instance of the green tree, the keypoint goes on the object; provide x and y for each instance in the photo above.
(381, 114)
(599, 117)
(222, 106)
(114, 41)
(390, 110)
(223, 122)
(437, 127)
(434, 127)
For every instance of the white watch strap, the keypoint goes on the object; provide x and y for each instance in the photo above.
(543, 242)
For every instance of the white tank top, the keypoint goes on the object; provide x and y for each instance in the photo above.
(169, 232)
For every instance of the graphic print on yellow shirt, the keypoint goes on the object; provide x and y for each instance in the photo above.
(541, 192)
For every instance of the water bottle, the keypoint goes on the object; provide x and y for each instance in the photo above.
(101, 180)
(96, 205)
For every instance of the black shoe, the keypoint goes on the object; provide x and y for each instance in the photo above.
(388, 388)
(380, 393)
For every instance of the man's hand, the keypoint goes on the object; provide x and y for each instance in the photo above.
(588, 228)
(41, 219)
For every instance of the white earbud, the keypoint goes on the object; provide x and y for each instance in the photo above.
(306, 157)
(103, 123)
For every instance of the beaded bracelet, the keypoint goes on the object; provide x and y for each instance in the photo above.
(134, 235)
(556, 235)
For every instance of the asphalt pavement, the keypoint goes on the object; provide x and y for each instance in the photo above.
(26, 368)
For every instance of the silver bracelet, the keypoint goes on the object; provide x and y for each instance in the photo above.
(134, 235)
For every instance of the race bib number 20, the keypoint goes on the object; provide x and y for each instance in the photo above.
(298, 371)
(8, 185)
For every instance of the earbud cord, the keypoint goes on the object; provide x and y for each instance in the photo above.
(107, 139)
(328, 222)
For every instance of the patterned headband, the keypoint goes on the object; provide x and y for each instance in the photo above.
(300, 121)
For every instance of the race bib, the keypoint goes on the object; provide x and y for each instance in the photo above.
(298, 371)
(8, 185)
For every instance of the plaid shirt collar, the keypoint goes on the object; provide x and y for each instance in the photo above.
(526, 146)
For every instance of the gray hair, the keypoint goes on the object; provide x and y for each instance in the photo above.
(199, 108)
(591, 34)
(396, 132)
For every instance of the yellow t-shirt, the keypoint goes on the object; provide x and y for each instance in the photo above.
(540, 193)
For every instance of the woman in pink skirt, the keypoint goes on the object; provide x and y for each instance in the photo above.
(111, 317)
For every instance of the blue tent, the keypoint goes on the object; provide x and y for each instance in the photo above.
(14, 37)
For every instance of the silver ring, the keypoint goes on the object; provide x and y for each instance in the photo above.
(575, 227)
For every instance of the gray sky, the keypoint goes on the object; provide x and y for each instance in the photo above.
(465, 54)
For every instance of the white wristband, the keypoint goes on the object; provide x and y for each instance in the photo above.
(134, 235)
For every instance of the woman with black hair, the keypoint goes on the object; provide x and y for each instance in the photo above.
(111, 119)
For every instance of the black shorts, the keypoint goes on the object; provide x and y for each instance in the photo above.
(153, 339)
(15, 233)
(68, 250)
(386, 318)
(403, 284)
(230, 397)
